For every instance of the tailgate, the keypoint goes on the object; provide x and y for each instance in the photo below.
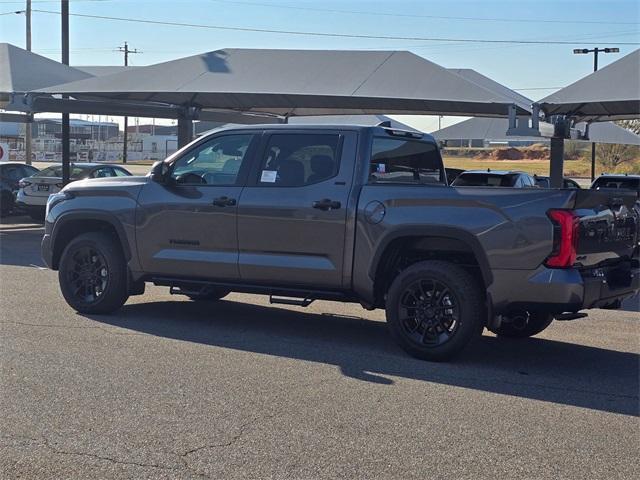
(608, 226)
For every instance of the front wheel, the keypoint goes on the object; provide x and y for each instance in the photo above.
(523, 324)
(93, 274)
(434, 309)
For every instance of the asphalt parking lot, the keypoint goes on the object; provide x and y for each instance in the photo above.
(169, 388)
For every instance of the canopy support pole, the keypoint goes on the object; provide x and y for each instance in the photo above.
(561, 130)
(186, 116)
(557, 162)
(593, 161)
(185, 130)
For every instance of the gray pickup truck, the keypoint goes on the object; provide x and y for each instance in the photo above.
(346, 213)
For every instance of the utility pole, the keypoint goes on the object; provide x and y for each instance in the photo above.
(595, 51)
(66, 130)
(28, 126)
(126, 50)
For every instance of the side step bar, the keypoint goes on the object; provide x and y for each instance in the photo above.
(299, 302)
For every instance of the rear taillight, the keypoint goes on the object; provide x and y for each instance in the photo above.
(23, 183)
(565, 239)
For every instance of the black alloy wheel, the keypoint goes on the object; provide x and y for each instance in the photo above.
(93, 273)
(88, 274)
(434, 309)
(429, 312)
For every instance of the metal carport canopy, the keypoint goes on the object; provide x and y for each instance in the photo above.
(298, 82)
(495, 129)
(611, 93)
(22, 71)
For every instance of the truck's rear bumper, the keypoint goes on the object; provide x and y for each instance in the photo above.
(604, 290)
(563, 290)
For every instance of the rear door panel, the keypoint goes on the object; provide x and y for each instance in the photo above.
(283, 239)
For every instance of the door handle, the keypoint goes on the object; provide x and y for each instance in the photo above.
(224, 202)
(326, 204)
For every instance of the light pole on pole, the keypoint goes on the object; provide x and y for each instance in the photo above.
(595, 51)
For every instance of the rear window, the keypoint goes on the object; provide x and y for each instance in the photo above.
(56, 171)
(485, 180)
(405, 161)
(617, 182)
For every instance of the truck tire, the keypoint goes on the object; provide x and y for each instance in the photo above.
(528, 326)
(210, 294)
(434, 309)
(93, 274)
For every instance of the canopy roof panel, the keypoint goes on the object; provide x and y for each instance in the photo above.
(493, 86)
(298, 82)
(611, 93)
(22, 71)
(496, 128)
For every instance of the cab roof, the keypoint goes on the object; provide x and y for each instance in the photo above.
(377, 129)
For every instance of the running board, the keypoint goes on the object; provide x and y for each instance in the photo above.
(173, 290)
(299, 302)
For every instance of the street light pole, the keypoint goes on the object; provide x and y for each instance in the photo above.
(595, 51)
(66, 129)
(28, 132)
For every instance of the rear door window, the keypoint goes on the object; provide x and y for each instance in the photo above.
(299, 159)
(405, 161)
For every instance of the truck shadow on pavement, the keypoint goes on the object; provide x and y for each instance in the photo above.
(20, 239)
(536, 368)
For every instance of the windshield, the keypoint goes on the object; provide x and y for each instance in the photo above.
(56, 171)
(617, 182)
(485, 180)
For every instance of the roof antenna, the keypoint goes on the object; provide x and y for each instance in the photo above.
(385, 124)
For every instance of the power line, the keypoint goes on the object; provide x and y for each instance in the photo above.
(410, 15)
(537, 88)
(324, 34)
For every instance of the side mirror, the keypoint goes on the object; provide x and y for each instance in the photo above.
(159, 171)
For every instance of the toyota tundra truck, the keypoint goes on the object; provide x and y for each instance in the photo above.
(345, 213)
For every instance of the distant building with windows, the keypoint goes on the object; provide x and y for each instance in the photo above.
(80, 129)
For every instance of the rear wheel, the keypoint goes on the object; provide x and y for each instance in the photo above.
(93, 274)
(523, 324)
(434, 309)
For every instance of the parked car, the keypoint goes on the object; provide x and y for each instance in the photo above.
(35, 189)
(629, 182)
(10, 174)
(345, 213)
(545, 182)
(494, 178)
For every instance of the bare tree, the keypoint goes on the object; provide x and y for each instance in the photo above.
(633, 125)
(613, 155)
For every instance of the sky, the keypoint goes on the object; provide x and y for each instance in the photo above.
(535, 70)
